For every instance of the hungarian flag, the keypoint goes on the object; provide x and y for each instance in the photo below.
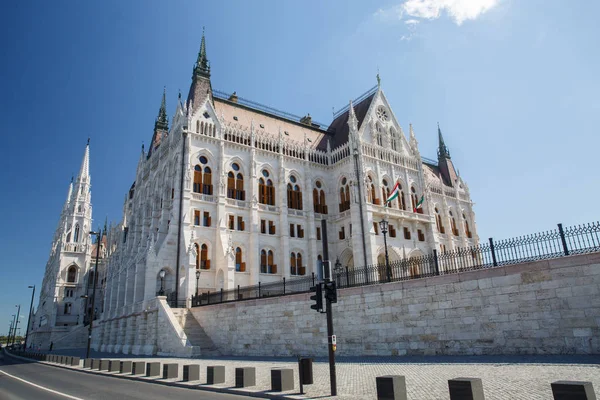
(419, 204)
(395, 192)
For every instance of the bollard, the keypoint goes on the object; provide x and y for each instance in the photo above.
(391, 387)
(75, 361)
(170, 371)
(67, 360)
(282, 379)
(103, 365)
(465, 389)
(87, 363)
(95, 363)
(153, 369)
(245, 377)
(191, 372)
(573, 390)
(114, 365)
(125, 367)
(215, 374)
(138, 368)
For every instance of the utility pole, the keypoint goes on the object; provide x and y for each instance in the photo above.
(91, 326)
(331, 345)
(16, 324)
(30, 312)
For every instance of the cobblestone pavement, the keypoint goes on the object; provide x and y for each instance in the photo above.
(514, 378)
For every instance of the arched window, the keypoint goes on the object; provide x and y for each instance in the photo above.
(372, 193)
(401, 199)
(204, 261)
(467, 230)
(76, 234)
(394, 139)
(266, 191)
(207, 187)
(293, 270)
(197, 179)
(198, 126)
(267, 265)
(68, 236)
(415, 201)
(197, 248)
(438, 222)
(91, 277)
(385, 192)
(240, 265)
(344, 196)
(379, 135)
(294, 194)
(319, 204)
(72, 274)
(235, 183)
(453, 224)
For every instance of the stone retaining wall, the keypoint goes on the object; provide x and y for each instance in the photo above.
(543, 307)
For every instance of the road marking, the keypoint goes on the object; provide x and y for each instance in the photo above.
(41, 387)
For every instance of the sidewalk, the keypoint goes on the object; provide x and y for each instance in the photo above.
(504, 377)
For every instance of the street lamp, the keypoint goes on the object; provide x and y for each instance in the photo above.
(383, 224)
(197, 278)
(12, 324)
(91, 326)
(162, 273)
(30, 312)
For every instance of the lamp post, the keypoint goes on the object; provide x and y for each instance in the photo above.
(197, 279)
(91, 326)
(162, 273)
(383, 224)
(337, 269)
(12, 324)
(16, 324)
(30, 312)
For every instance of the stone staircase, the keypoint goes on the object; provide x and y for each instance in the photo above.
(195, 333)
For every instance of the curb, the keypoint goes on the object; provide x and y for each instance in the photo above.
(172, 384)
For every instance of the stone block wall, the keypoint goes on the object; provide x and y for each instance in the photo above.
(543, 307)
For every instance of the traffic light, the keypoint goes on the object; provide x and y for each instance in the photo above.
(317, 297)
(331, 292)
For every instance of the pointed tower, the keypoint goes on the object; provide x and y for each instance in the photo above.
(444, 162)
(201, 88)
(161, 125)
(61, 306)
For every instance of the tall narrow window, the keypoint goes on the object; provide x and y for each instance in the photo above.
(207, 187)
(263, 261)
(235, 183)
(266, 190)
(438, 222)
(72, 274)
(76, 235)
(230, 185)
(67, 309)
(240, 266)
(197, 188)
(467, 230)
(318, 233)
(299, 267)
(293, 270)
(206, 219)
(385, 192)
(344, 196)
(319, 204)
(394, 139)
(453, 224)
(272, 268)
(401, 200)
(197, 217)
(294, 194)
(204, 261)
(240, 223)
(231, 222)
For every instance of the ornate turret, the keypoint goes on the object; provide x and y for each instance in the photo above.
(444, 162)
(442, 149)
(201, 89)
(161, 125)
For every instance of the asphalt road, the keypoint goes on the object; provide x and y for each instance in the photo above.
(64, 384)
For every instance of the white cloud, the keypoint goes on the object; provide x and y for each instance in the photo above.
(459, 10)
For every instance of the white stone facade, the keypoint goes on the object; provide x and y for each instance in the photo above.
(184, 213)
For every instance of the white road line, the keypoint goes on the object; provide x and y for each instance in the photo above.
(41, 387)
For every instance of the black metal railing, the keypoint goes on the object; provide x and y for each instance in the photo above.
(555, 243)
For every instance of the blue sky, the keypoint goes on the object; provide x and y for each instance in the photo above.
(513, 84)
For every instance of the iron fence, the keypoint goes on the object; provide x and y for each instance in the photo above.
(555, 243)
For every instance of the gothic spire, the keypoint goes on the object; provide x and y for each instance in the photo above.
(202, 66)
(442, 149)
(84, 171)
(161, 121)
